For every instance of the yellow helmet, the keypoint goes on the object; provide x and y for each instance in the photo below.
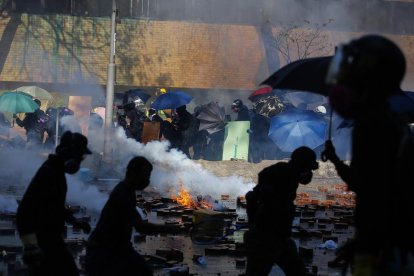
(163, 90)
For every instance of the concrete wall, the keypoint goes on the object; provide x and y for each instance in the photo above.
(60, 49)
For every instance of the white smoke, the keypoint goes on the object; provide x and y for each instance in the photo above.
(172, 169)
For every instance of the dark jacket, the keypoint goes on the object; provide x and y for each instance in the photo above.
(42, 210)
(382, 200)
(243, 114)
(270, 207)
(118, 218)
(134, 130)
(35, 125)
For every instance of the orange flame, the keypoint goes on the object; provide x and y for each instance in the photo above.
(185, 199)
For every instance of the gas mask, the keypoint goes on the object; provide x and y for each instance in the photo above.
(364, 71)
(342, 98)
(72, 165)
(305, 177)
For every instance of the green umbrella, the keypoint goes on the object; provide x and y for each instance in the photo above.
(35, 92)
(17, 102)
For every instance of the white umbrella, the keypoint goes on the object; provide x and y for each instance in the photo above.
(35, 92)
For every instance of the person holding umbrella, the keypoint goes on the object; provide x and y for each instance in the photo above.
(35, 124)
(363, 75)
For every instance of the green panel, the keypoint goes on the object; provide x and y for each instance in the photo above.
(236, 140)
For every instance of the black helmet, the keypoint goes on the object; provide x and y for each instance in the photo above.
(304, 158)
(237, 103)
(51, 111)
(38, 102)
(372, 64)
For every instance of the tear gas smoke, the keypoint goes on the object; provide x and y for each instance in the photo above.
(171, 167)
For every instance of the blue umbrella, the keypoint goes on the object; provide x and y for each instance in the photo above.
(296, 127)
(304, 100)
(171, 100)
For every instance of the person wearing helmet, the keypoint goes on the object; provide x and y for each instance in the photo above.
(35, 124)
(41, 214)
(242, 111)
(363, 74)
(270, 213)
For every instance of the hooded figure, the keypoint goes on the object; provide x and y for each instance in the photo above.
(42, 213)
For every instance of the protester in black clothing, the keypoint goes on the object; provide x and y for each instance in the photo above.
(242, 111)
(270, 211)
(200, 137)
(168, 132)
(186, 126)
(110, 251)
(35, 125)
(42, 214)
(153, 116)
(134, 120)
(364, 74)
(260, 145)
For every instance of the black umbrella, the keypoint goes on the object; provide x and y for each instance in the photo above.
(304, 75)
(212, 117)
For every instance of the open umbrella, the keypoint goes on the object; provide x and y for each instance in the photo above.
(212, 117)
(35, 92)
(262, 91)
(17, 102)
(297, 127)
(303, 75)
(268, 106)
(171, 100)
(303, 100)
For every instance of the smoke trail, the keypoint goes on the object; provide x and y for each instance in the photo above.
(172, 167)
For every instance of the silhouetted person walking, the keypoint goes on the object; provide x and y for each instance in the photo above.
(270, 212)
(109, 251)
(42, 213)
(364, 74)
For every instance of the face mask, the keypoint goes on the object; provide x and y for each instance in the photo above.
(72, 166)
(305, 177)
(343, 101)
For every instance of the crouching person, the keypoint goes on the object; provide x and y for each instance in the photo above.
(270, 213)
(109, 250)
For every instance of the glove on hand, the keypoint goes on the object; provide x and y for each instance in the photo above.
(32, 255)
(329, 153)
(86, 228)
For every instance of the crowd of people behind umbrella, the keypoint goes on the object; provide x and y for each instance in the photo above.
(200, 135)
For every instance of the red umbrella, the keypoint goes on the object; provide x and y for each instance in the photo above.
(264, 90)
